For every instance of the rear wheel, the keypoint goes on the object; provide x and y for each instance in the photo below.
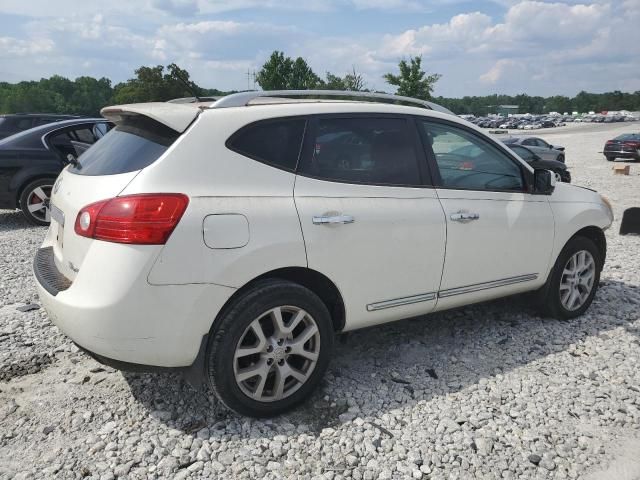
(610, 158)
(574, 280)
(34, 201)
(270, 348)
(560, 158)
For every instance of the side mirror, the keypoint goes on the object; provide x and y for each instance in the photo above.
(544, 182)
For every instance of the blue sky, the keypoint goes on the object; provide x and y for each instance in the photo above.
(479, 47)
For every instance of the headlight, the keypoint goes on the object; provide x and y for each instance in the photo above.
(607, 202)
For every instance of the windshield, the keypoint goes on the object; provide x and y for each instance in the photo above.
(134, 144)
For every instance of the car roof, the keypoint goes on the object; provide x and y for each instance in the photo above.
(41, 130)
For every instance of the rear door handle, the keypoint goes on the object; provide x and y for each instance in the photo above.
(332, 220)
(464, 216)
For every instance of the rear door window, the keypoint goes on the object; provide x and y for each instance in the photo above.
(375, 151)
(274, 142)
(132, 145)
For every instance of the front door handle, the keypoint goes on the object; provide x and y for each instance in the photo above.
(464, 216)
(332, 220)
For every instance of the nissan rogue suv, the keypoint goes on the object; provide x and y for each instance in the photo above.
(233, 240)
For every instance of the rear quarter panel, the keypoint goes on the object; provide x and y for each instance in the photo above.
(219, 181)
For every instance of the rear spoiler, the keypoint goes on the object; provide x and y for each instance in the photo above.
(176, 116)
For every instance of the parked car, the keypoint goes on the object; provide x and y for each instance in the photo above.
(626, 145)
(14, 123)
(31, 160)
(544, 150)
(558, 168)
(221, 242)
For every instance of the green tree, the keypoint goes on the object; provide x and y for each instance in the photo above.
(152, 84)
(412, 80)
(352, 81)
(284, 73)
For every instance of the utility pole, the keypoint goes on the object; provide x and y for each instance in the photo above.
(251, 75)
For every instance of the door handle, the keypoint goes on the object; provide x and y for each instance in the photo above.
(332, 220)
(464, 216)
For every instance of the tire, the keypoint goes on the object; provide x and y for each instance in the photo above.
(236, 329)
(560, 158)
(551, 298)
(610, 159)
(37, 194)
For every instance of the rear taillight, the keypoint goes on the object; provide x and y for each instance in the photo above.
(632, 144)
(146, 219)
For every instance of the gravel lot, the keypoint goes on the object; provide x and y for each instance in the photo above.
(490, 391)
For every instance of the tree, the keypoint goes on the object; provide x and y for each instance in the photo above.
(413, 81)
(352, 81)
(284, 73)
(152, 84)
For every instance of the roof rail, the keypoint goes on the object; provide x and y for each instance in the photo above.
(242, 99)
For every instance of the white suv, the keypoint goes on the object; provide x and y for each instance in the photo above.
(233, 240)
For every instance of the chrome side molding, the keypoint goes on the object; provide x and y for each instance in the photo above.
(486, 285)
(397, 302)
(425, 297)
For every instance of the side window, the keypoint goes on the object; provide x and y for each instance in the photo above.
(541, 143)
(529, 142)
(377, 151)
(85, 135)
(466, 161)
(275, 142)
(522, 152)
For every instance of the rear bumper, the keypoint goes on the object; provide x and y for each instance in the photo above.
(113, 312)
(622, 154)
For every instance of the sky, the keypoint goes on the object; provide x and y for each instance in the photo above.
(479, 46)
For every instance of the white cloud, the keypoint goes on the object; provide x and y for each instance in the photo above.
(535, 46)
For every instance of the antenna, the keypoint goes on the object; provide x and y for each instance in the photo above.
(190, 85)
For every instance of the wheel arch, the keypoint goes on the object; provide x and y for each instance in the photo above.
(315, 281)
(22, 184)
(597, 236)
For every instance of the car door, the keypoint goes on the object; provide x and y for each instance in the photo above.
(544, 150)
(499, 236)
(371, 222)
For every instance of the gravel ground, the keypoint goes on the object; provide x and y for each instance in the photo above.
(490, 391)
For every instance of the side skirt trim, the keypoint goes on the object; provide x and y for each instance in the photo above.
(487, 285)
(397, 302)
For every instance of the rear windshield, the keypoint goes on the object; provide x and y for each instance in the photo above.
(628, 136)
(134, 144)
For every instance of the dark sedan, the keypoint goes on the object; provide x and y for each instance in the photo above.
(558, 168)
(31, 160)
(626, 145)
(17, 122)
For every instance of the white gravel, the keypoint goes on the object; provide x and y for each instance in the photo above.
(491, 391)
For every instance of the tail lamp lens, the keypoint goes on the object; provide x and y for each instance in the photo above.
(147, 219)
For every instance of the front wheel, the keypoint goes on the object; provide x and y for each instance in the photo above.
(270, 348)
(560, 158)
(574, 280)
(610, 159)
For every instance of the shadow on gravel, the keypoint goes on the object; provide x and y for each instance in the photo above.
(403, 363)
(14, 220)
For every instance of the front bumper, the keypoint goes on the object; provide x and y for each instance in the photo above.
(112, 311)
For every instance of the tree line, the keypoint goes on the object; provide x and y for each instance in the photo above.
(87, 95)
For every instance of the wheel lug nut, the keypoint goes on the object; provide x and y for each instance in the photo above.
(287, 349)
(280, 362)
(269, 361)
(280, 341)
(269, 348)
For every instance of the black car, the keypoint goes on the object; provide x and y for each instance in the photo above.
(31, 160)
(14, 123)
(626, 145)
(559, 168)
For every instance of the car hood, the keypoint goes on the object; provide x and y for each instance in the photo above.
(549, 164)
(567, 192)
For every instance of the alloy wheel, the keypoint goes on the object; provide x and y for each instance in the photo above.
(38, 201)
(276, 354)
(577, 280)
